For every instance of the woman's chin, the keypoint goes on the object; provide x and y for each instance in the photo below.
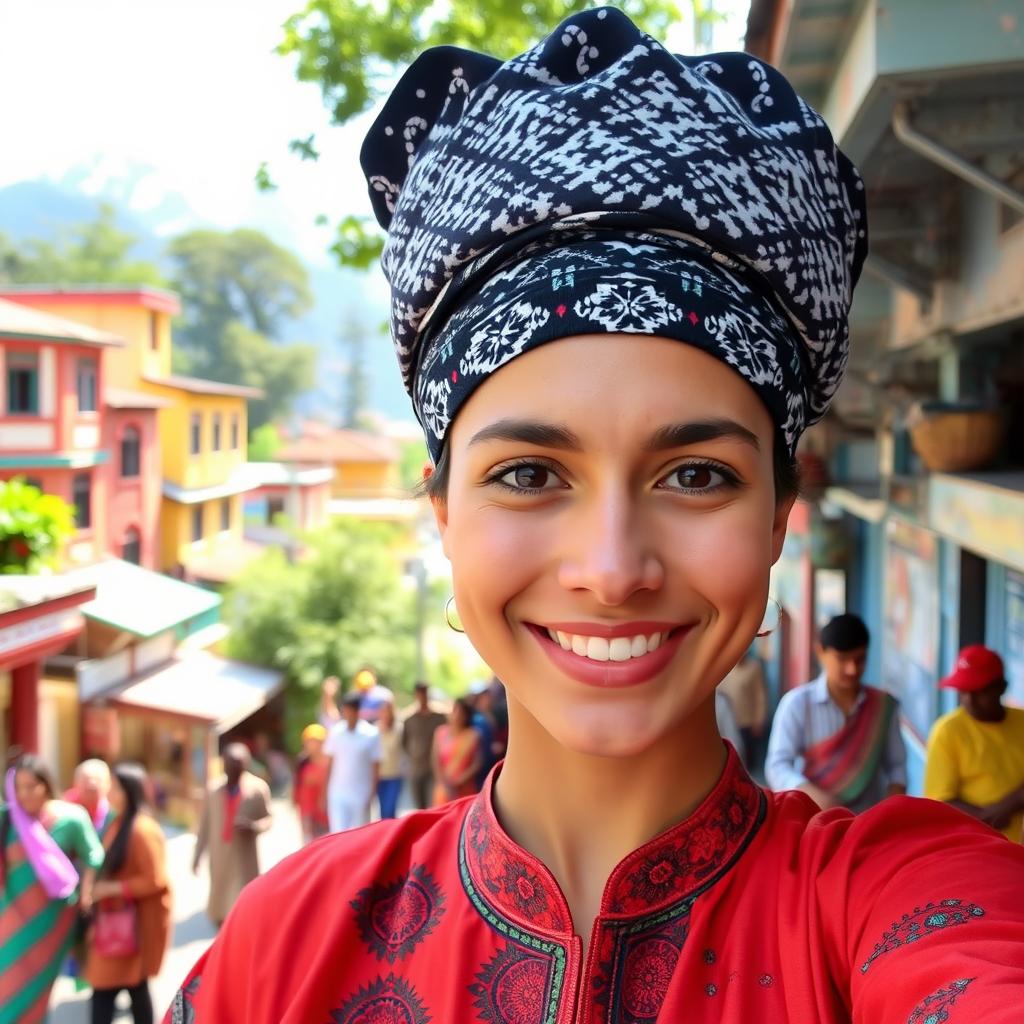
(606, 732)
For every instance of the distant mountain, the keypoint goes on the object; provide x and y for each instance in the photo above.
(41, 209)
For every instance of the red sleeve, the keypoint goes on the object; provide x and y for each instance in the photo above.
(922, 910)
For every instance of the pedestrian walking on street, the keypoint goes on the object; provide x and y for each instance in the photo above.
(91, 790)
(49, 855)
(389, 785)
(976, 753)
(310, 785)
(236, 810)
(458, 754)
(620, 288)
(745, 689)
(418, 730)
(354, 749)
(837, 739)
(131, 924)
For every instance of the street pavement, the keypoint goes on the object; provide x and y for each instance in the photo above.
(192, 929)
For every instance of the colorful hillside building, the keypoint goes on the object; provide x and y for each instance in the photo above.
(60, 432)
(202, 425)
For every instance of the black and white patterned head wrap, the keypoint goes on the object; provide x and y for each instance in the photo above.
(600, 184)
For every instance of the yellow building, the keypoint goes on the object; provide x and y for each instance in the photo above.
(203, 429)
(365, 466)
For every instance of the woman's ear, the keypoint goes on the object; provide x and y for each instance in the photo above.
(779, 525)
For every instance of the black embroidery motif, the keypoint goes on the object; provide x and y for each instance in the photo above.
(922, 922)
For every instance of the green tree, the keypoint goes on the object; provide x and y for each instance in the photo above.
(239, 290)
(412, 457)
(33, 528)
(342, 607)
(353, 49)
(96, 252)
(264, 444)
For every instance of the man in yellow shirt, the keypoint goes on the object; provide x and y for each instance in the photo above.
(976, 753)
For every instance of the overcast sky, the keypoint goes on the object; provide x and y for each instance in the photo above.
(184, 98)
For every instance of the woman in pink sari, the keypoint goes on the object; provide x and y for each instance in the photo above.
(457, 755)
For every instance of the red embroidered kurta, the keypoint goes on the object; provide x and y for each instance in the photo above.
(755, 908)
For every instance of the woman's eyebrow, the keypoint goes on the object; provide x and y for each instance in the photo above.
(680, 435)
(545, 435)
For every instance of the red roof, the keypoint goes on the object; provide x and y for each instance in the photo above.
(157, 299)
(333, 445)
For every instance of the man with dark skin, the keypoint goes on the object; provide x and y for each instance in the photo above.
(417, 741)
(976, 753)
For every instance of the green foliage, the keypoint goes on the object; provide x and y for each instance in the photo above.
(411, 460)
(264, 444)
(96, 252)
(353, 50)
(238, 290)
(341, 608)
(33, 528)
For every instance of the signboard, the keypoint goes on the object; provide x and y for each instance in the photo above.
(979, 516)
(30, 632)
(910, 661)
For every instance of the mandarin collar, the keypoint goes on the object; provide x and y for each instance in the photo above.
(676, 865)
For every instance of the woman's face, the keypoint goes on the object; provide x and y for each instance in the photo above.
(116, 796)
(30, 792)
(612, 494)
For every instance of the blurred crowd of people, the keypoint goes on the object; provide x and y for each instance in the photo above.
(364, 749)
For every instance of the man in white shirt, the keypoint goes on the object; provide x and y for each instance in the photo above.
(353, 747)
(835, 738)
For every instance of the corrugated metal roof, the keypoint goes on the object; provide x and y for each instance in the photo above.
(18, 322)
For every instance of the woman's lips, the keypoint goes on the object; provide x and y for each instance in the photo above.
(611, 674)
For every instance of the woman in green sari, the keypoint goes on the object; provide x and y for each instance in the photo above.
(40, 889)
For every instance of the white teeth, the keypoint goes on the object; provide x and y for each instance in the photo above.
(598, 648)
(620, 649)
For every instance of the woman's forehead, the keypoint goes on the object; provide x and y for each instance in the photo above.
(612, 385)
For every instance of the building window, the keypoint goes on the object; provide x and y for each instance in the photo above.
(196, 433)
(216, 432)
(225, 514)
(87, 385)
(131, 452)
(197, 522)
(275, 508)
(81, 498)
(234, 432)
(131, 549)
(22, 383)
(154, 331)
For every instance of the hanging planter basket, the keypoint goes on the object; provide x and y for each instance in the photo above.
(950, 440)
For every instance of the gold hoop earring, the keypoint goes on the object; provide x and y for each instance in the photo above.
(763, 632)
(448, 605)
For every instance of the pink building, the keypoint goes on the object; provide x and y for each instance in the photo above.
(132, 475)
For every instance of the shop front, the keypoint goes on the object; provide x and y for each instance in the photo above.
(39, 616)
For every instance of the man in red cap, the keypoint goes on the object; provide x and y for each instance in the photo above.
(976, 753)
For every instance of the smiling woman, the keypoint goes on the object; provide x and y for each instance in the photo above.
(620, 286)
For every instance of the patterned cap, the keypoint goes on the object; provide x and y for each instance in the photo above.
(598, 183)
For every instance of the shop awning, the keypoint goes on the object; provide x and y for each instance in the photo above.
(139, 601)
(203, 688)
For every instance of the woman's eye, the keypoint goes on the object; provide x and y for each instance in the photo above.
(696, 478)
(529, 478)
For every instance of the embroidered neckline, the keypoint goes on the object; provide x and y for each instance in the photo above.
(673, 867)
